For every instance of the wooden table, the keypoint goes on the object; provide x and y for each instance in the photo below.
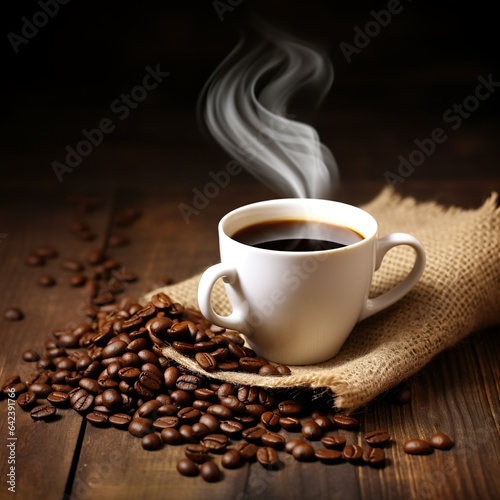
(67, 458)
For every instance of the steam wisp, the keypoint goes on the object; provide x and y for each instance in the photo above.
(244, 107)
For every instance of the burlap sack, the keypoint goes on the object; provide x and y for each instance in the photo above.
(458, 293)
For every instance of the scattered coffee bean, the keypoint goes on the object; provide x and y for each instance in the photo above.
(46, 252)
(77, 280)
(311, 430)
(292, 443)
(187, 467)
(97, 419)
(375, 457)
(417, 447)
(353, 453)
(30, 356)
(328, 456)
(377, 439)
(139, 427)
(13, 314)
(441, 441)
(72, 265)
(35, 261)
(151, 442)
(27, 400)
(43, 412)
(197, 453)
(303, 452)
(268, 458)
(232, 459)
(346, 422)
(210, 472)
(334, 442)
(46, 280)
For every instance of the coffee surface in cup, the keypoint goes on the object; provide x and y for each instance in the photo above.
(297, 235)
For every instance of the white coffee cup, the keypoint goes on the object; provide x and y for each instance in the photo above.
(299, 308)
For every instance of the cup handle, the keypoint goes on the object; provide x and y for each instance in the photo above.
(236, 320)
(373, 306)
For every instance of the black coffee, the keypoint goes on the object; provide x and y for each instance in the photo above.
(297, 235)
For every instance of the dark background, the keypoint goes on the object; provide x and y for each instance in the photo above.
(65, 78)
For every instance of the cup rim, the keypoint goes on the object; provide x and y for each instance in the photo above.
(367, 235)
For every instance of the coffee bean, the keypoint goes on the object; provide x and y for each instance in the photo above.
(303, 452)
(270, 419)
(149, 408)
(168, 410)
(151, 442)
(139, 427)
(268, 458)
(30, 356)
(77, 280)
(248, 395)
(171, 436)
(269, 371)
(290, 424)
(232, 459)
(120, 420)
(273, 440)
(128, 373)
(210, 472)
(253, 434)
(233, 336)
(231, 428)
(206, 361)
(89, 385)
(324, 422)
(375, 457)
(58, 398)
(251, 365)
(68, 340)
(46, 252)
(292, 443)
(181, 398)
(118, 240)
(196, 452)
(72, 265)
(43, 412)
(184, 348)
(112, 399)
(151, 377)
(114, 349)
(45, 280)
(353, 453)
(334, 442)
(417, 447)
(97, 419)
(283, 370)
(186, 432)
(255, 410)
(229, 366)
(165, 422)
(345, 422)
(378, 438)
(236, 351)
(220, 411)
(13, 314)
(41, 390)
(34, 261)
(188, 415)
(82, 401)
(311, 430)
(200, 430)
(289, 407)
(233, 403)
(328, 456)
(187, 467)
(215, 443)
(211, 422)
(27, 400)
(441, 441)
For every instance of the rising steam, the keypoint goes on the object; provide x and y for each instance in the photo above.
(244, 107)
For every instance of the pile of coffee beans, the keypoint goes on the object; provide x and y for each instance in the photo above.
(113, 372)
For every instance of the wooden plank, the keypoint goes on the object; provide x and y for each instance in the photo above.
(44, 450)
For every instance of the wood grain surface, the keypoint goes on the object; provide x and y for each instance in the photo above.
(457, 393)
